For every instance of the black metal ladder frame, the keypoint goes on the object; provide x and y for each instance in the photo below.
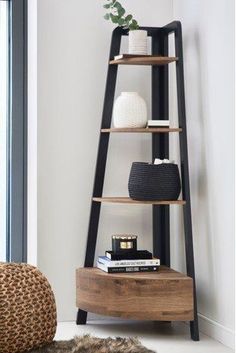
(160, 149)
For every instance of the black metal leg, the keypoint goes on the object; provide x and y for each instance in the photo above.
(81, 317)
(160, 145)
(101, 160)
(185, 176)
(194, 330)
(161, 240)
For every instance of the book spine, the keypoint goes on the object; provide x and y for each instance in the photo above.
(158, 125)
(126, 269)
(163, 123)
(127, 263)
(132, 269)
(137, 256)
(108, 255)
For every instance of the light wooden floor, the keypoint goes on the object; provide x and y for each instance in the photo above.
(162, 338)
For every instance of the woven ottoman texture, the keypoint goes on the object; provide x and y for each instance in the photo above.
(27, 308)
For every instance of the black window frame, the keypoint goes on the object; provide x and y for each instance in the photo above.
(17, 134)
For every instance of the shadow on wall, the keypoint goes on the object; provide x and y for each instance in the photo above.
(199, 178)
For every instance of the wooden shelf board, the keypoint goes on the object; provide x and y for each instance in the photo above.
(142, 130)
(165, 295)
(163, 273)
(145, 60)
(128, 200)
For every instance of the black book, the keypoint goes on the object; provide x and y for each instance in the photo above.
(136, 255)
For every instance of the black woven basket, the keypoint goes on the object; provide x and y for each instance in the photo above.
(148, 182)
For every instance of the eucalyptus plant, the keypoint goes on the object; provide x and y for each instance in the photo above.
(117, 14)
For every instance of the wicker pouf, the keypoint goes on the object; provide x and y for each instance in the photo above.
(27, 308)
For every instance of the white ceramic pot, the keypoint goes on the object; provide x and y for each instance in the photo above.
(138, 42)
(130, 111)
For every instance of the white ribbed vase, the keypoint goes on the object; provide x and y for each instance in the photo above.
(138, 42)
(130, 111)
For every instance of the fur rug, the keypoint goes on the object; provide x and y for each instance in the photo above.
(88, 344)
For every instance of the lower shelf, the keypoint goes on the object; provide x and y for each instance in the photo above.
(165, 295)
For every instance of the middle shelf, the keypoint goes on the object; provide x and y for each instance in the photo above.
(128, 200)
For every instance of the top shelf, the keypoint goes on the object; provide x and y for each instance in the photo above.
(144, 60)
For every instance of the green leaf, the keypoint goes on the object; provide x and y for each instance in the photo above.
(121, 12)
(128, 18)
(106, 6)
(121, 22)
(133, 25)
(117, 5)
(114, 18)
(107, 16)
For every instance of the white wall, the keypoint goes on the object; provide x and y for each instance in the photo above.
(208, 34)
(32, 134)
(73, 47)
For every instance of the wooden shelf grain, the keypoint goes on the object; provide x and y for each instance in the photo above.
(145, 60)
(128, 200)
(165, 295)
(142, 130)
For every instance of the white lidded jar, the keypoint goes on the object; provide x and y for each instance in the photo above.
(138, 42)
(130, 111)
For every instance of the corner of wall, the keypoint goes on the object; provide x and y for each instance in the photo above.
(217, 331)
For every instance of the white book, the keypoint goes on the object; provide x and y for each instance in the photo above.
(127, 269)
(158, 122)
(128, 56)
(102, 266)
(121, 263)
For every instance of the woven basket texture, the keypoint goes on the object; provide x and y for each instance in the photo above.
(27, 308)
(148, 182)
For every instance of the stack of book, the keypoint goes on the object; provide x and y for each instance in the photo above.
(130, 56)
(138, 261)
(158, 123)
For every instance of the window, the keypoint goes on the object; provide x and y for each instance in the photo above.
(4, 59)
(13, 129)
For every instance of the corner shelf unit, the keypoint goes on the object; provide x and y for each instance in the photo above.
(166, 295)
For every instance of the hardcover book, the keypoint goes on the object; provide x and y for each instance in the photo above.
(128, 269)
(137, 255)
(128, 56)
(156, 123)
(126, 263)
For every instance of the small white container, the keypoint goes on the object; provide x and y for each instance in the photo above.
(138, 42)
(130, 111)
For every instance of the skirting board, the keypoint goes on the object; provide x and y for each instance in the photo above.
(207, 326)
(217, 331)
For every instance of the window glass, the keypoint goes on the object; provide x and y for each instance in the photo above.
(4, 51)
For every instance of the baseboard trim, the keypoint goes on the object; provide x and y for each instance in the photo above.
(217, 331)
